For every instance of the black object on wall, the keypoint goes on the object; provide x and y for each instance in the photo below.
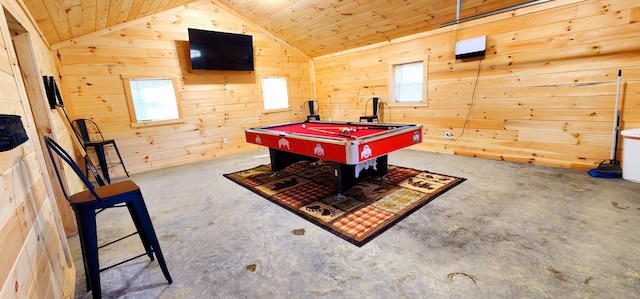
(12, 132)
(53, 93)
(213, 50)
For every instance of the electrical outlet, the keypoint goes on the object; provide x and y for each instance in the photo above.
(225, 140)
(448, 135)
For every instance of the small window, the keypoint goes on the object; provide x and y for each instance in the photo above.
(408, 83)
(275, 94)
(152, 100)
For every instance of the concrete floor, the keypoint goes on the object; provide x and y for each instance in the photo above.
(509, 231)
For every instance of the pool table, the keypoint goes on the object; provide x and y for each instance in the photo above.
(356, 150)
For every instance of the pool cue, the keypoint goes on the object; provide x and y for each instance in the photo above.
(75, 140)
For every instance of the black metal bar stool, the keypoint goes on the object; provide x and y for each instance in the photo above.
(310, 110)
(374, 116)
(86, 204)
(91, 137)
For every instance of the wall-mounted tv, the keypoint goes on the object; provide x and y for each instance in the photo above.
(213, 50)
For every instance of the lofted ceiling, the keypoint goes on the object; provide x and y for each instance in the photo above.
(316, 28)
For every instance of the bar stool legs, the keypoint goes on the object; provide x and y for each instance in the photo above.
(87, 230)
(149, 233)
(102, 158)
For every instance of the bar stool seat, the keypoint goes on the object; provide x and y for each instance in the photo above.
(86, 204)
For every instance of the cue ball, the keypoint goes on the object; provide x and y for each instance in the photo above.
(304, 126)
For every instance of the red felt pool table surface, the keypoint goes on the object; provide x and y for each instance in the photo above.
(327, 140)
(333, 130)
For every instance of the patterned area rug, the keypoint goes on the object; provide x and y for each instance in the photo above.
(369, 208)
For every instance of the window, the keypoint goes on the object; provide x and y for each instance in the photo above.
(275, 94)
(152, 100)
(408, 83)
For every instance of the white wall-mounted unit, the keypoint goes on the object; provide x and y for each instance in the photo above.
(472, 47)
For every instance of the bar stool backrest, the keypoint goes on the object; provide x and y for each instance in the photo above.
(87, 130)
(54, 147)
(311, 109)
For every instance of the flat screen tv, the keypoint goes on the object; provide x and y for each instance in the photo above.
(213, 50)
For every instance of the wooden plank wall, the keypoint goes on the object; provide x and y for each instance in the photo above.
(35, 262)
(92, 66)
(545, 93)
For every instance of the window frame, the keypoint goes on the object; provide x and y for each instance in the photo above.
(408, 59)
(132, 111)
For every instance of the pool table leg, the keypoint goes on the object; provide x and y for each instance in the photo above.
(281, 159)
(344, 176)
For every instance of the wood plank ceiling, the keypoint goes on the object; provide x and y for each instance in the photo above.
(315, 27)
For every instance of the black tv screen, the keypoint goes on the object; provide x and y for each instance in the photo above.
(212, 50)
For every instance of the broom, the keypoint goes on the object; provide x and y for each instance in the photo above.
(611, 168)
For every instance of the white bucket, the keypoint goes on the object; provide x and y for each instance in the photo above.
(631, 155)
